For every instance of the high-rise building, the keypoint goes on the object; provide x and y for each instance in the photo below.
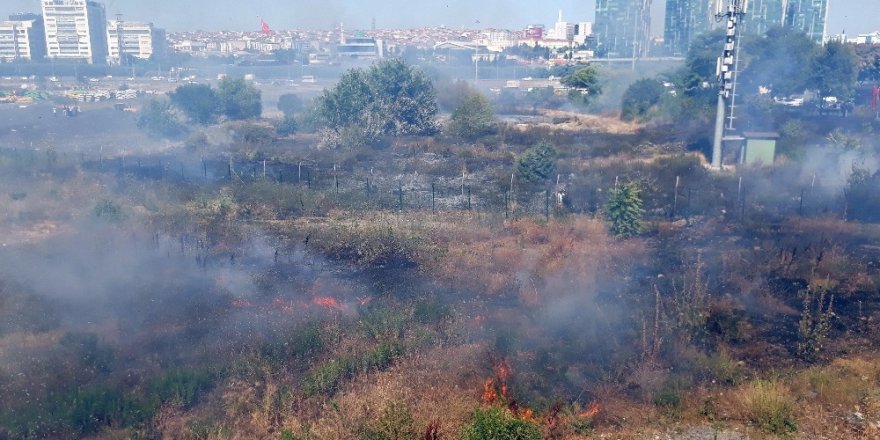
(622, 28)
(22, 38)
(763, 15)
(685, 19)
(807, 16)
(76, 30)
(137, 40)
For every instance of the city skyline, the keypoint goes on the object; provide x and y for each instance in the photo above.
(849, 15)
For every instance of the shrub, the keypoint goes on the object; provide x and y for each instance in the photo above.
(537, 164)
(182, 386)
(624, 210)
(286, 126)
(473, 118)
(496, 424)
(815, 322)
(769, 406)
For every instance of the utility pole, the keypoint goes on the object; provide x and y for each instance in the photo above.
(726, 72)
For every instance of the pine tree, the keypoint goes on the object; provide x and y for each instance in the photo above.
(624, 210)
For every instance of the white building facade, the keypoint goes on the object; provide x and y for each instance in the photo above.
(136, 39)
(75, 30)
(21, 40)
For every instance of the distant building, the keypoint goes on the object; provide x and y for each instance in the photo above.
(685, 19)
(75, 30)
(562, 30)
(807, 16)
(22, 38)
(137, 40)
(360, 48)
(582, 32)
(622, 28)
(534, 32)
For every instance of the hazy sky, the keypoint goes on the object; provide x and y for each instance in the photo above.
(856, 16)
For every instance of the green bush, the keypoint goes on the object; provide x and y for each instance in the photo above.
(182, 386)
(537, 164)
(624, 210)
(496, 424)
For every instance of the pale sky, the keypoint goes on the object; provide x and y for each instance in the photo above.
(856, 16)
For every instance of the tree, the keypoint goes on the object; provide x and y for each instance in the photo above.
(391, 99)
(158, 119)
(835, 71)
(781, 61)
(406, 98)
(473, 118)
(584, 85)
(239, 100)
(624, 210)
(538, 163)
(640, 99)
(346, 103)
(198, 102)
(289, 104)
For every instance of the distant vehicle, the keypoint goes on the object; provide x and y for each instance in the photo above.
(54, 79)
(94, 80)
(791, 101)
(512, 84)
(309, 79)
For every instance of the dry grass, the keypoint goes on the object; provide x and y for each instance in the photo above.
(769, 405)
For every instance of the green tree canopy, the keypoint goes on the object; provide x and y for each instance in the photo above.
(584, 84)
(239, 100)
(290, 104)
(624, 210)
(780, 60)
(538, 163)
(198, 102)
(473, 118)
(391, 98)
(158, 119)
(641, 98)
(835, 71)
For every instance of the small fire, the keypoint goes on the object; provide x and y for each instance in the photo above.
(364, 300)
(328, 302)
(489, 393)
(502, 372)
(591, 411)
(527, 415)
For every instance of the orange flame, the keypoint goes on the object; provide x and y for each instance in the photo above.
(489, 394)
(591, 411)
(528, 415)
(328, 302)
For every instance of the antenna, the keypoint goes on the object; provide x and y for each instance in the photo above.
(726, 72)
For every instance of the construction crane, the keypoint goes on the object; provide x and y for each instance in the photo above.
(726, 70)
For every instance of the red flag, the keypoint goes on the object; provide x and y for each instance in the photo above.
(264, 27)
(875, 98)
